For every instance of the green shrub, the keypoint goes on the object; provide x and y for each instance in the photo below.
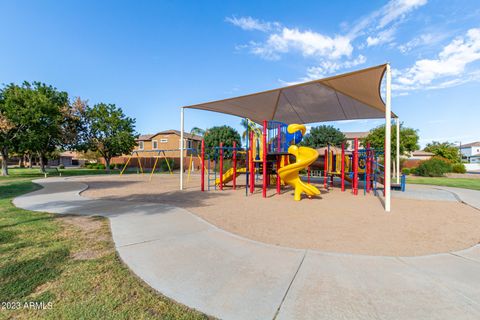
(435, 167)
(163, 164)
(443, 159)
(406, 171)
(459, 168)
(112, 166)
(413, 170)
(100, 166)
(61, 166)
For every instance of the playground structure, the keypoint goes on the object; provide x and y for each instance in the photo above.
(268, 155)
(350, 96)
(362, 165)
(265, 153)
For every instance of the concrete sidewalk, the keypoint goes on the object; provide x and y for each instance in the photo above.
(470, 197)
(230, 277)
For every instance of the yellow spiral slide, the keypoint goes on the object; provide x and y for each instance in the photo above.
(304, 157)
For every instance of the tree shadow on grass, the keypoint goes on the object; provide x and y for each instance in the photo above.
(24, 222)
(17, 188)
(7, 236)
(18, 279)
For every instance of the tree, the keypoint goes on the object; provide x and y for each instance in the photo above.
(445, 150)
(250, 126)
(408, 140)
(322, 136)
(108, 131)
(8, 133)
(224, 134)
(42, 115)
(49, 125)
(196, 131)
(13, 120)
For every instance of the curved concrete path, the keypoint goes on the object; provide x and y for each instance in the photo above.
(230, 277)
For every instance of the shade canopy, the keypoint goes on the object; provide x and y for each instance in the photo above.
(349, 96)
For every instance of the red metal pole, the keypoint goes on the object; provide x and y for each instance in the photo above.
(342, 167)
(264, 143)
(355, 167)
(202, 177)
(252, 164)
(368, 168)
(221, 166)
(279, 158)
(325, 168)
(331, 164)
(234, 182)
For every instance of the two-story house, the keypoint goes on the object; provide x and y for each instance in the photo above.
(471, 152)
(168, 141)
(164, 144)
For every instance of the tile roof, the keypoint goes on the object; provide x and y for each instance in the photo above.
(146, 137)
(471, 144)
(353, 135)
(420, 153)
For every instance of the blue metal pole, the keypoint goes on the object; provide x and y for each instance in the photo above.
(208, 173)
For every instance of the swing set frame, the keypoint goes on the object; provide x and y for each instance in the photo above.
(159, 154)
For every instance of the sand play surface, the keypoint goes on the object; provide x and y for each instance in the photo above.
(335, 222)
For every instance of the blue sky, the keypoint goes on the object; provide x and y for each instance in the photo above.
(150, 57)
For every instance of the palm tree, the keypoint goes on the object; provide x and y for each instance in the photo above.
(250, 126)
(196, 131)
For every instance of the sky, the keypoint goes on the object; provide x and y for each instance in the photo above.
(152, 57)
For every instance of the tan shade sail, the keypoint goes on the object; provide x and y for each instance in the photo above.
(349, 96)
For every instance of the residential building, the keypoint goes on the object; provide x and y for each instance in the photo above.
(416, 157)
(150, 144)
(68, 159)
(164, 144)
(351, 138)
(471, 152)
(421, 155)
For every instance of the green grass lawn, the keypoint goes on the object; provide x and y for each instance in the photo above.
(466, 183)
(26, 173)
(16, 173)
(70, 262)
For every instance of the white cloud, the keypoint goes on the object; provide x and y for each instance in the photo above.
(308, 43)
(326, 68)
(396, 9)
(331, 53)
(381, 38)
(427, 39)
(374, 25)
(447, 70)
(249, 24)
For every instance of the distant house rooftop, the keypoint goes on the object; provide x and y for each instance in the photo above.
(353, 135)
(422, 153)
(145, 137)
(472, 144)
(149, 136)
(336, 150)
